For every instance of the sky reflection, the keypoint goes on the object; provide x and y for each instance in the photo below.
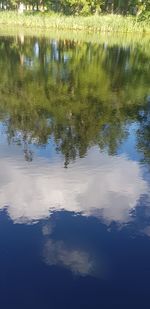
(79, 262)
(99, 185)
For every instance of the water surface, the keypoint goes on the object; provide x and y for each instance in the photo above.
(74, 173)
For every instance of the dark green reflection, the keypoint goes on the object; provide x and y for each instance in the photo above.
(81, 94)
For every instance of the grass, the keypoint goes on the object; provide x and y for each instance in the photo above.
(103, 23)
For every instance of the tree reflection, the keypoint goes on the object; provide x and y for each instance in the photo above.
(78, 93)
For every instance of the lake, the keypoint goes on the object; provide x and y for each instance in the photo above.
(74, 172)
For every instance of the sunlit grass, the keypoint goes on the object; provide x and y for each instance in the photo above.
(103, 23)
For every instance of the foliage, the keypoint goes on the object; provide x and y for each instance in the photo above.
(81, 7)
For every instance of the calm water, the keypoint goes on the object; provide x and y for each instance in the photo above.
(74, 174)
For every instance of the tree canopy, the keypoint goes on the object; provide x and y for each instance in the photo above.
(83, 7)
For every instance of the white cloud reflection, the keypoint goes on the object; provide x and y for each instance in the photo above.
(79, 262)
(98, 185)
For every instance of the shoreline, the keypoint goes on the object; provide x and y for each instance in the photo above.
(125, 40)
(90, 24)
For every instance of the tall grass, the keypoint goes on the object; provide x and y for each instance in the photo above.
(103, 23)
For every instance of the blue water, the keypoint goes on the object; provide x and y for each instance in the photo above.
(74, 176)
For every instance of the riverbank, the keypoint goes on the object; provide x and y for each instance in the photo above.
(103, 23)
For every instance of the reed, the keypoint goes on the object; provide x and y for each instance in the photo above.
(102, 23)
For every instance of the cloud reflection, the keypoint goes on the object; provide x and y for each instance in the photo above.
(98, 185)
(79, 262)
